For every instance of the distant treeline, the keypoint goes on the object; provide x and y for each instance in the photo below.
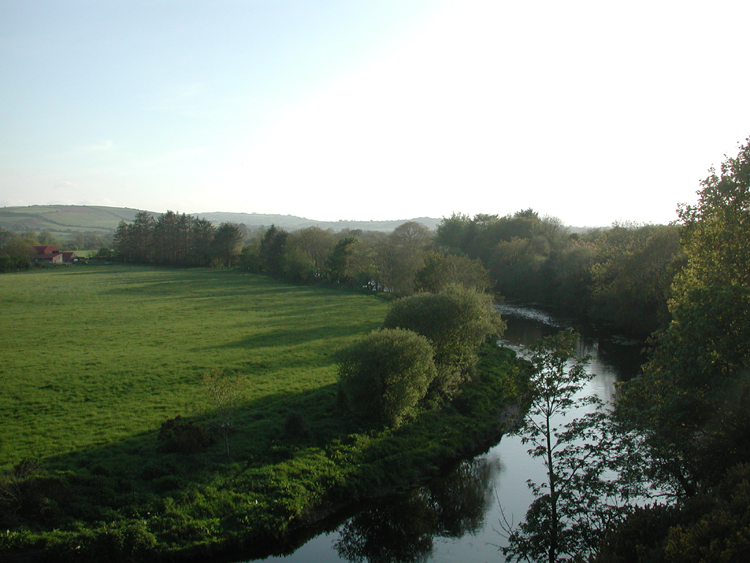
(619, 275)
(177, 240)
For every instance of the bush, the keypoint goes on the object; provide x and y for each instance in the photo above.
(386, 374)
(456, 322)
(182, 437)
(295, 425)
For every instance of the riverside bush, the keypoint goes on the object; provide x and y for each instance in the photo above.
(386, 374)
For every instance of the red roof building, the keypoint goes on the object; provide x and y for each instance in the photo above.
(48, 253)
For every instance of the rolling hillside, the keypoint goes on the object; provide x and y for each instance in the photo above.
(63, 220)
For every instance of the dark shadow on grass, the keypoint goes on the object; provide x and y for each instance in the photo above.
(288, 337)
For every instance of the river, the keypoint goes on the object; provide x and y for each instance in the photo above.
(456, 518)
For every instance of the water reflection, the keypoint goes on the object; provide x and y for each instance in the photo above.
(401, 529)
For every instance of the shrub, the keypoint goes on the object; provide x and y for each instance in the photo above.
(456, 321)
(295, 425)
(176, 435)
(386, 374)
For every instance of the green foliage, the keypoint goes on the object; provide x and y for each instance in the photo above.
(16, 253)
(711, 527)
(338, 263)
(177, 240)
(295, 425)
(273, 247)
(456, 322)
(226, 244)
(386, 374)
(689, 409)
(178, 435)
(577, 503)
(632, 275)
(697, 370)
(620, 276)
(441, 271)
(716, 231)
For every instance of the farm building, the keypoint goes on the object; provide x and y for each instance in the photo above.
(48, 254)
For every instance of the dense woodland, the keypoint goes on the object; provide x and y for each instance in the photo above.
(678, 435)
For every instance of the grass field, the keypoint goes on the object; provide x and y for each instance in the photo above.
(96, 357)
(96, 354)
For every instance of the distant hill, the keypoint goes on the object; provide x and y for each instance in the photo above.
(291, 223)
(62, 220)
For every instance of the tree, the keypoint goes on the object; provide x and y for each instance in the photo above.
(570, 512)
(338, 265)
(315, 244)
(224, 392)
(443, 270)
(716, 231)
(689, 408)
(632, 275)
(400, 255)
(698, 366)
(453, 231)
(456, 321)
(386, 374)
(19, 254)
(201, 242)
(227, 244)
(48, 239)
(273, 247)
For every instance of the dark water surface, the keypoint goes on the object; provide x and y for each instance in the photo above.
(455, 518)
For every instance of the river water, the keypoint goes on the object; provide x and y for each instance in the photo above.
(456, 518)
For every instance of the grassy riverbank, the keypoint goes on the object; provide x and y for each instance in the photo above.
(98, 357)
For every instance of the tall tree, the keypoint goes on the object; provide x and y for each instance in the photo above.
(570, 511)
(227, 244)
(687, 403)
(443, 270)
(338, 265)
(201, 242)
(273, 246)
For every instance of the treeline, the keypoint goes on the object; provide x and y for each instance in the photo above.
(620, 275)
(402, 262)
(688, 415)
(174, 239)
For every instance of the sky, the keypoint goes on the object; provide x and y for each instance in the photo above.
(589, 111)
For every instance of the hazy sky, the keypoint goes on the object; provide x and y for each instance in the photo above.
(589, 111)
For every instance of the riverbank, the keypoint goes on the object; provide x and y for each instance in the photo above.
(248, 502)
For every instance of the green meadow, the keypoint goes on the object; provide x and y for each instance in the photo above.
(96, 357)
